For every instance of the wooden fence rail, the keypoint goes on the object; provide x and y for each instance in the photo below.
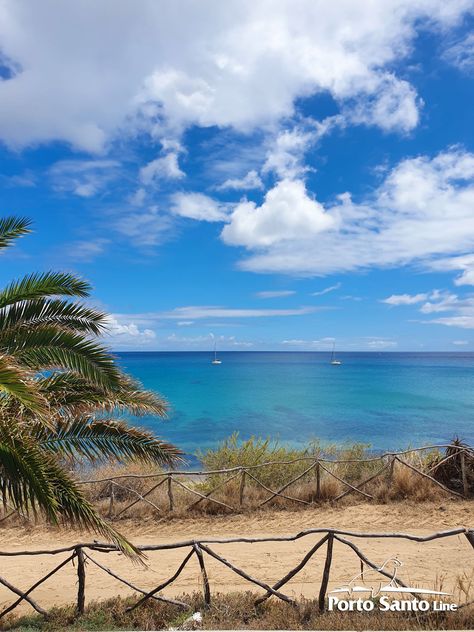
(319, 465)
(81, 554)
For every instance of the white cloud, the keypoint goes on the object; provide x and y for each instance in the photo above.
(123, 334)
(164, 66)
(379, 344)
(285, 158)
(460, 343)
(204, 342)
(250, 181)
(322, 343)
(196, 312)
(166, 167)
(287, 214)
(461, 54)
(464, 263)
(144, 228)
(274, 293)
(198, 206)
(85, 250)
(84, 178)
(326, 290)
(405, 299)
(422, 212)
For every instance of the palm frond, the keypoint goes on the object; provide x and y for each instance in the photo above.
(44, 311)
(74, 395)
(11, 228)
(43, 285)
(16, 383)
(77, 511)
(51, 347)
(24, 476)
(105, 439)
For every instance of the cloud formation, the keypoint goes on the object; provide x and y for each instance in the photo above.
(240, 63)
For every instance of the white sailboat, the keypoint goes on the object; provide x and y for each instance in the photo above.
(216, 359)
(334, 360)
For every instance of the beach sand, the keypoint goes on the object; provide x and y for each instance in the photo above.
(424, 564)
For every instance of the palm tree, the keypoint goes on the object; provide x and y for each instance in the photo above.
(62, 395)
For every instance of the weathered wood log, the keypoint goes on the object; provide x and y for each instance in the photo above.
(214, 489)
(269, 463)
(465, 484)
(173, 602)
(170, 493)
(364, 482)
(35, 585)
(23, 595)
(205, 578)
(162, 586)
(430, 478)
(193, 491)
(111, 500)
(282, 489)
(294, 571)
(140, 496)
(242, 487)
(341, 480)
(245, 575)
(326, 572)
(81, 581)
(296, 500)
(470, 537)
(318, 481)
(143, 497)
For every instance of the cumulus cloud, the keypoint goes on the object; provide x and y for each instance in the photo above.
(288, 213)
(241, 64)
(198, 206)
(123, 334)
(460, 309)
(250, 181)
(166, 167)
(421, 212)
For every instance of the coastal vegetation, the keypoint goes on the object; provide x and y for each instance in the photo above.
(142, 493)
(234, 611)
(62, 399)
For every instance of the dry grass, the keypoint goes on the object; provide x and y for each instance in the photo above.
(235, 611)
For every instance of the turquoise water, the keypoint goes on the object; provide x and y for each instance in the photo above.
(389, 400)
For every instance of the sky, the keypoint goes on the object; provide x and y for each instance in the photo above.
(272, 175)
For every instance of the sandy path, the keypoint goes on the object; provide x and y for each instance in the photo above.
(424, 564)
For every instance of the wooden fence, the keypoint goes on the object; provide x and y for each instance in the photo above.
(81, 555)
(318, 465)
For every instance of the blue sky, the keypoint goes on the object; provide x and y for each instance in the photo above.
(275, 176)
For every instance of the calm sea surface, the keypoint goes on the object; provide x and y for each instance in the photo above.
(390, 400)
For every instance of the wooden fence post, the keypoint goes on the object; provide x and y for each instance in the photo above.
(112, 499)
(465, 484)
(242, 487)
(170, 493)
(391, 473)
(327, 569)
(205, 579)
(81, 577)
(318, 481)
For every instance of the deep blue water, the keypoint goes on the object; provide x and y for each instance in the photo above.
(390, 400)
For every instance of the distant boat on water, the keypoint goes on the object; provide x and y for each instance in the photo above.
(334, 360)
(216, 359)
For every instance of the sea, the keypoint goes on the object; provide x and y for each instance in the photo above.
(387, 400)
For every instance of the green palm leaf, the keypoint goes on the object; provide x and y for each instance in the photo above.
(43, 311)
(105, 439)
(49, 347)
(16, 383)
(74, 395)
(43, 285)
(11, 228)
